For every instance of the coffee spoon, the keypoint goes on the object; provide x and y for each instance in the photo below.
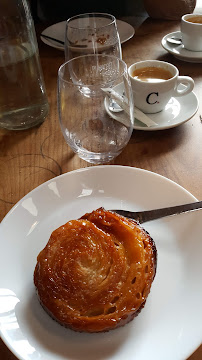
(118, 104)
(174, 40)
(144, 216)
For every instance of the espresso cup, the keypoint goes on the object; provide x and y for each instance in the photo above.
(191, 29)
(154, 82)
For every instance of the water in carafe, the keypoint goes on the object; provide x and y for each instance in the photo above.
(23, 99)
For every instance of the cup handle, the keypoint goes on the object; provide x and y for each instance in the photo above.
(184, 80)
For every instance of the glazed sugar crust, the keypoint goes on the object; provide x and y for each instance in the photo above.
(95, 273)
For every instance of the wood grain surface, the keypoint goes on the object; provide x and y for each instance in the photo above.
(29, 158)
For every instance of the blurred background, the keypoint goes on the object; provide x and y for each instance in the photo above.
(59, 10)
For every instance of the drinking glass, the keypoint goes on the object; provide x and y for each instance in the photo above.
(89, 125)
(92, 33)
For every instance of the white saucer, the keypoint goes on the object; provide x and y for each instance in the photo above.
(57, 31)
(177, 111)
(179, 51)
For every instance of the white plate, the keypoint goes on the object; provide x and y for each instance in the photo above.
(179, 51)
(57, 31)
(177, 111)
(169, 327)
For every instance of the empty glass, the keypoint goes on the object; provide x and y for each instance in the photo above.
(89, 125)
(92, 33)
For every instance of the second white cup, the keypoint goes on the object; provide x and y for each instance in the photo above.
(191, 29)
(154, 82)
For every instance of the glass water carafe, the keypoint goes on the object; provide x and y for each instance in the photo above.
(23, 100)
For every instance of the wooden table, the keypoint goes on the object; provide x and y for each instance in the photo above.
(31, 157)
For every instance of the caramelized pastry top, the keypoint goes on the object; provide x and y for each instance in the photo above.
(95, 273)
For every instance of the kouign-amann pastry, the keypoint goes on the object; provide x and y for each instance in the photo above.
(95, 273)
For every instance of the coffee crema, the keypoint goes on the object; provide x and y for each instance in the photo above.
(151, 74)
(195, 19)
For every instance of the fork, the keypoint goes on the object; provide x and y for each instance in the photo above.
(148, 215)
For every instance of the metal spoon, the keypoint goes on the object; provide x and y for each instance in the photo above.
(144, 216)
(114, 107)
(174, 40)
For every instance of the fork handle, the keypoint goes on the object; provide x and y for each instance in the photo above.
(143, 216)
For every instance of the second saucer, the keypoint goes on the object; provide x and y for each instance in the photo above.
(179, 51)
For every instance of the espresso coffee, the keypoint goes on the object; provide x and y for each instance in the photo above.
(152, 74)
(195, 19)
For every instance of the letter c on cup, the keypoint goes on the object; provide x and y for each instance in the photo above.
(148, 96)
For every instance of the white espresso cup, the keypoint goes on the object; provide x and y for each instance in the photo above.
(191, 30)
(154, 82)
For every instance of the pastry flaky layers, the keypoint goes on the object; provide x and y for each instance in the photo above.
(95, 273)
